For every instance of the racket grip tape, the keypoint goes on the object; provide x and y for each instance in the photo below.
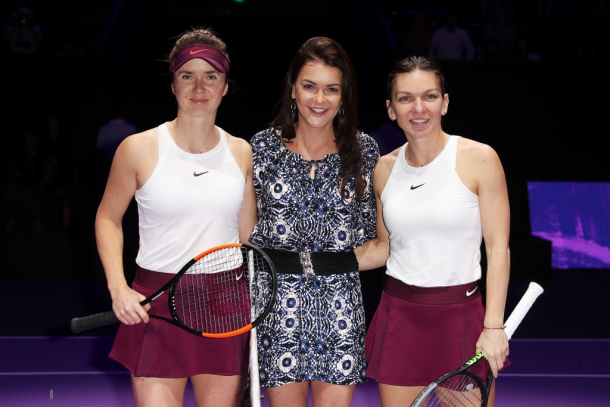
(512, 323)
(93, 321)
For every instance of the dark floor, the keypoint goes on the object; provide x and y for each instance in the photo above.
(75, 371)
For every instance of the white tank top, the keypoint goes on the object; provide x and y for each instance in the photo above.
(434, 223)
(190, 203)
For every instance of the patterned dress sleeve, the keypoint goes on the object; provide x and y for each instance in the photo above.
(260, 151)
(370, 156)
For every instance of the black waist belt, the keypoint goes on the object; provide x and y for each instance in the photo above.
(319, 263)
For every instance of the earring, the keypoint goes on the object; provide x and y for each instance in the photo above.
(293, 108)
(341, 111)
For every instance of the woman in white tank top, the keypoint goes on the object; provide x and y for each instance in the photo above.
(437, 197)
(171, 171)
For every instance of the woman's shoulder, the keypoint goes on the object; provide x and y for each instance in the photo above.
(265, 138)
(142, 141)
(237, 142)
(239, 147)
(388, 160)
(367, 141)
(370, 149)
(139, 149)
(475, 150)
(477, 158)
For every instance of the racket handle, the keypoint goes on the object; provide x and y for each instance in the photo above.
(524, 305)
(93, 321)
(255, 385)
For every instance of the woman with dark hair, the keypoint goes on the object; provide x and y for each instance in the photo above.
(437, 197)
(171, 170)
(313, 182)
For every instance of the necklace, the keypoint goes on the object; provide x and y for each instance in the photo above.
(430, 158)
(191, 149)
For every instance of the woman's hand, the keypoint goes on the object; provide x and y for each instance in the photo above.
(127, 308)
(494, 345)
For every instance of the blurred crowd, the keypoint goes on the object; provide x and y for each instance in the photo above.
(28, 32)
(40, 182)
(44, 185)
(560, 31)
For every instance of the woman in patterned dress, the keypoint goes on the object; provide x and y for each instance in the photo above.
(313, 182)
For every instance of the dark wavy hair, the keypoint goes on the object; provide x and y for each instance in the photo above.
(414, 63)
(328, 52)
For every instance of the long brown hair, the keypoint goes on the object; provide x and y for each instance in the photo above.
(328, 52)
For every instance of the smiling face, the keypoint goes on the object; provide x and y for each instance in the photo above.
(417, 104)
(199, 88)
(317, 92)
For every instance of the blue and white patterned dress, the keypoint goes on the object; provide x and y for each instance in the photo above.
(317, 328)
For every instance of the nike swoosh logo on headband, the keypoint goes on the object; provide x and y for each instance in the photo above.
(199, 50)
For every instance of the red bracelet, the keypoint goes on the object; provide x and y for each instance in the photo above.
(500, 327)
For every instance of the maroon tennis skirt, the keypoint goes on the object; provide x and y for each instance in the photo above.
(418, 334)
(160, 349)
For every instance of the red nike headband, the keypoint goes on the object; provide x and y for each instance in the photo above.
(209, 54)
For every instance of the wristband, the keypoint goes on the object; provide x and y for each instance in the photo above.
(500, 327)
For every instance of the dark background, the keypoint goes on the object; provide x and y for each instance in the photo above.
(544, 117)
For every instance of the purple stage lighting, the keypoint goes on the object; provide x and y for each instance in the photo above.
(575, 217)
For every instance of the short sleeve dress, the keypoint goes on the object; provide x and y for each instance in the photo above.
(317, 328)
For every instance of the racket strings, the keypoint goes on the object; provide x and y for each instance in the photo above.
(214, 295)
(459, 390)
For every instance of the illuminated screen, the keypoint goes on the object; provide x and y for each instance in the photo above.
(575, 217)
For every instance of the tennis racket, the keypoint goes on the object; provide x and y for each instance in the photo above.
(463, 386)
(222, 292)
